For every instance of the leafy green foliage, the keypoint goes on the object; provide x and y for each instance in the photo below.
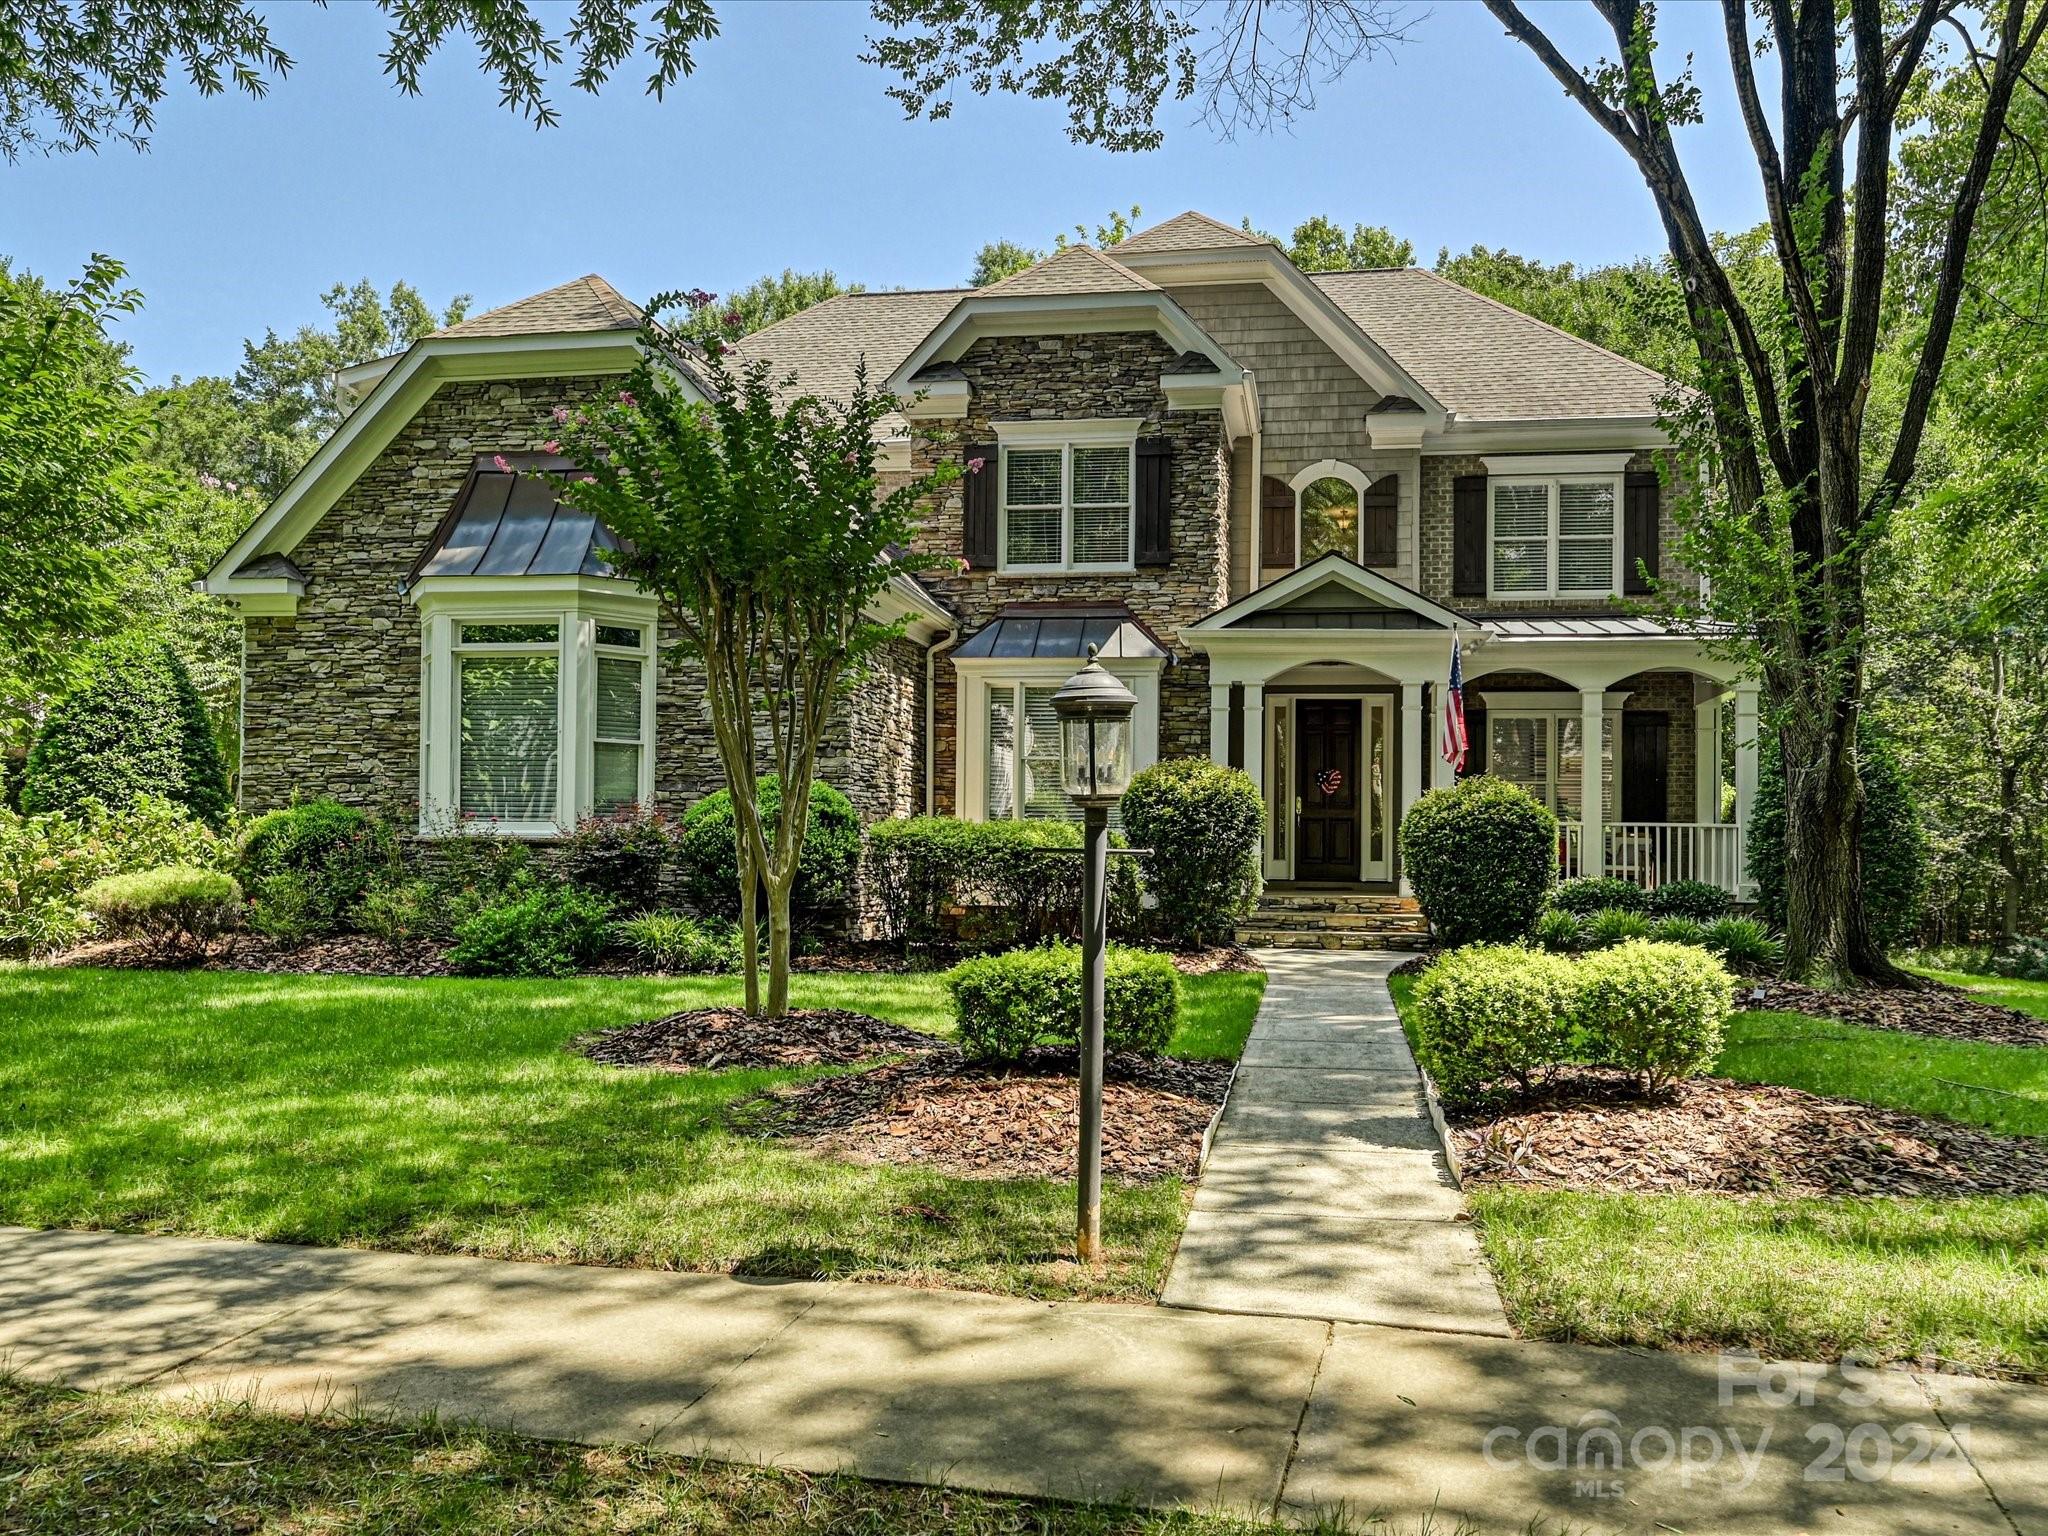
(1613, 925)
(459, 877)
(1587, 894)
(1321, 245)
(1482, 856)
(1746, 944)
(47, 860)
(622, 855)
(1656, 1010)
(553, 930)
(676, 943)
(175, 909)
(1699, 899)
(1202, 822)
(1558, 931)
(762, 302)
(134, 726)
(998, 259)
(1893, 846)
(1007, 1003)
(307, 867)
(707, 851)
(1678, 930)
(1012, 882)
(1493, 1012)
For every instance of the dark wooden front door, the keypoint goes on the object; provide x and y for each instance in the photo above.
(1645, 766)
(1327, 784)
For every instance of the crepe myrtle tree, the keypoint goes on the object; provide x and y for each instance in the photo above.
(757, 519)
(1807, 452)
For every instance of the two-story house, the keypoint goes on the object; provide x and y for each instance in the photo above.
(1274, 500)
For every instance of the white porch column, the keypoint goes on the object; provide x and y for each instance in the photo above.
(1414, 733)
(1219, 724)
(1706, 761)
(1255, 734)
(1592, 781)
(1746, 728)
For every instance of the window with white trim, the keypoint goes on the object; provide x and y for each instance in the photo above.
(1068, 505)
(509, 718)
(1544, 753)
(1009, 742)
(1554, 536)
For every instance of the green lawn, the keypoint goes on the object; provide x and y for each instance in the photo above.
(108, 1462)
(444, 1116)
(1963, 1280)
(2027, 996)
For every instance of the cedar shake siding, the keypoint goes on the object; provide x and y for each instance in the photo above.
(1083, 377)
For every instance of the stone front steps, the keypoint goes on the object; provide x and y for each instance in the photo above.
(1345, 920)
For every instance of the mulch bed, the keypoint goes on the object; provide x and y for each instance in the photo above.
(348, 954)
(1593, 1131)
(1415, 965)
(944, 1112)
(1225, 957)
(726, 1039)
(1934, 1009)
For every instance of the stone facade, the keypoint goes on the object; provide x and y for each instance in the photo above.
(1077, 377)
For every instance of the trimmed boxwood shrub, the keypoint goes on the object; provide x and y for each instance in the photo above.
(176, 910)
(1491, 1012)
(1012, 882)
(553, 930)
(135, 726)
(1006, 1004)
(1656, 1010)
(308, 867)
(1202, 822)
(1697, 899)
(707, 852)
(1893, 845)
(1588, 894)
(1482, 855)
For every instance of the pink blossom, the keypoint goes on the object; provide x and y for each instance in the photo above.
(551, 446)
(732, 320)
(974, 466)
(626, 397)
(504, 467)
(211, 482)
(561, 413)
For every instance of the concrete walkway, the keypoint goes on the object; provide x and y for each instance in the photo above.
(1326, 1193)
(1245, 1415)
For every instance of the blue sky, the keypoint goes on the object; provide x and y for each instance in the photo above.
(783, 151)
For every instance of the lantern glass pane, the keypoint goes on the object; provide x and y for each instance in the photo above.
(1098, 757)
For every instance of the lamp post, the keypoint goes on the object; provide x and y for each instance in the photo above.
(1095, 769)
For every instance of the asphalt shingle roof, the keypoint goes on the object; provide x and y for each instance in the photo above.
(1188, 232)
(1483, 359)
(1076, 270)
(586, 304)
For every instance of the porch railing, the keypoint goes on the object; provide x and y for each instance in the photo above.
(1649, 853)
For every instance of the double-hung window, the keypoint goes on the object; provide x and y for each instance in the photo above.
(1009, 743)
(1554, 535)
(1544, 753)
(508, 688)
(618, 738)
(1067, 504)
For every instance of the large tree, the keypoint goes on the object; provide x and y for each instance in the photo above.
(1804, 480)
(75, 75)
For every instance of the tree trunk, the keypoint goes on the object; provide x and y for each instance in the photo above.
(778, 947)
(750, 924)
(1828, 941)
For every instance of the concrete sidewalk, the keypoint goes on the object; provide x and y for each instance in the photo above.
(1326, 1194)
(1246, 1415)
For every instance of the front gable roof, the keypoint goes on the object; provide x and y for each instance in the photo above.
(1334, 592)
(1188, 231)
(1073, 269)
(587, 303)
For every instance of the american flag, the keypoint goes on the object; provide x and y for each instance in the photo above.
(1456, 742)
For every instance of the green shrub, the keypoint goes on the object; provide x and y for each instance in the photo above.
(678, 943)
(307, 867)
(1005, 1004)
(1491, 1012)
(1595, 893)
(707, 851)
(621, 856)
(1697, 899)
(1893, 844)
(47, 860)
(135, 726)
(1013, 883)
(1482, 855)
(1558, 931)
(1202, 822)
(1746, 944)
(1679, 930)
(177, 910)
(553, 930)
(1613, 925)
(1656, 1010)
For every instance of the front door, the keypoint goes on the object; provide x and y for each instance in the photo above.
(1327, 790)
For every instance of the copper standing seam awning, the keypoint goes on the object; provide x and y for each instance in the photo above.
(508, 521)
(1062, 632)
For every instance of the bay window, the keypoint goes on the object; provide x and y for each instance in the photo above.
(1554, 535)
(1009, 736)
(1065, 498)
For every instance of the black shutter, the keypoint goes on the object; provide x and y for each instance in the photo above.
(1276, 522)
(978, 496)
(1645, 766)
(1468, 536)
(1641, 501)
(1379, 522)
(1155, 501)
(1475, 736)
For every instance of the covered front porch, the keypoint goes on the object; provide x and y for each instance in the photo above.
(1328, 689)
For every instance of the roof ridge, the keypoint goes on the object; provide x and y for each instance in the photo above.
(865, 293)
(1522, 314)
(1236, 237)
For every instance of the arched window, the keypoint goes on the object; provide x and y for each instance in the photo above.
(1329, 519)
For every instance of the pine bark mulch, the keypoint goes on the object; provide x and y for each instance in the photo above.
(728, 1039)
(1935, 1009)
(943, 1112)
(345, 954)
(1593, 1131)
(1224, 957)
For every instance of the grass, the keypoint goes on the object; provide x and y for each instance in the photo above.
(2001, 991)
(115, 1462)
(1961, 1280)
(443, 1115)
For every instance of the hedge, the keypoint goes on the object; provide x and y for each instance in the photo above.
(707, 851)
(308, 867)
(553, 930)
(1005, 1004)
(1482, 856)
(1492, 1011)
(1655, 1010)
(1010, 882)
(176, 910)
(1202, 823)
